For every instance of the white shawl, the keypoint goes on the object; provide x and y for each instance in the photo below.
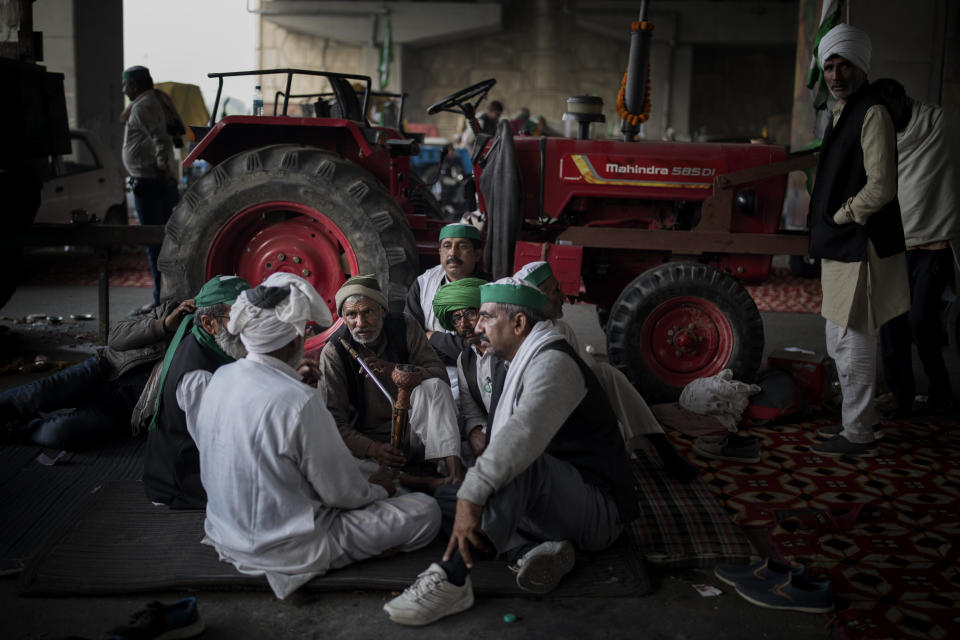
(542, 334)
(430, 281)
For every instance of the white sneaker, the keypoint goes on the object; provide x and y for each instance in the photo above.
(431, 597)
(541, 568)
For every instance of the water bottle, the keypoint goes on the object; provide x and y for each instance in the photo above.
(257, 101)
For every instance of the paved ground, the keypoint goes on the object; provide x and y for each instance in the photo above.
(674, 610)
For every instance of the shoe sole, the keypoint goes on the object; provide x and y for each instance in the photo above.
(543, 573)
(724, 580)
(869, 453)
(714, 456)
(459, 606)
(877, 435)
(767, 605)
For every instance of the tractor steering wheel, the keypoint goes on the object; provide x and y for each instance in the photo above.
(454, 102)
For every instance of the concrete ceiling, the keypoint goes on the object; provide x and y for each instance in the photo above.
(360, 22)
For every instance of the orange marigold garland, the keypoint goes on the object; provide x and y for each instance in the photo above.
(634, 118)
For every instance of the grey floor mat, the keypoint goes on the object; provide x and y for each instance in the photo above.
(123, 544)
(38, 501)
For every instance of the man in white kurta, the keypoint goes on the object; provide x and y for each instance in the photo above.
(460, 254)
(285, 498)
(855, 228)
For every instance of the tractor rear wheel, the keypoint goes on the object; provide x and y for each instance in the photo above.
(681, 321)
(292, 209)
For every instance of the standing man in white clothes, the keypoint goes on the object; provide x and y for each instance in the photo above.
(854, 224)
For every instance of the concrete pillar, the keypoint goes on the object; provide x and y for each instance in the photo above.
(98, 45)
(547, 65)
(803, 124)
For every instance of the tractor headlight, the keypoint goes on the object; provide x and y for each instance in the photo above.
(746, 202)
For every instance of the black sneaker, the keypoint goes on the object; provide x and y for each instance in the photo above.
(728, 447)
(840, 446)
(160, 621)
(832, 430)
(790, 593)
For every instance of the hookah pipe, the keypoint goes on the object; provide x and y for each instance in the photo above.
(406, 377)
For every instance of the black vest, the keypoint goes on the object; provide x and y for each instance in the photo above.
(171, 462)
(590, 440)
(470, 361)
(840, 175)
(395, 332)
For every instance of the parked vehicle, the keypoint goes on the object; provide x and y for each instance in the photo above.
(87, 180)
(656, 233)
(448, 172)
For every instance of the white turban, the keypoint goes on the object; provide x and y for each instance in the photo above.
(264, 330)
(847, 42)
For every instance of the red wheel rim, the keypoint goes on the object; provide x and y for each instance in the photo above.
(285, 237)
(683, 339)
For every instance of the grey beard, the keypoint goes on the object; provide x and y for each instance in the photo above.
(230, 344)
(366, 340)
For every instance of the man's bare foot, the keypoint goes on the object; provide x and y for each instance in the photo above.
(455, 470)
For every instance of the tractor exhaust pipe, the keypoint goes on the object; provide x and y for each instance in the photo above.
(637, 66)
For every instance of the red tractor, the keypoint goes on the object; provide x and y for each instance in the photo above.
(655, 233)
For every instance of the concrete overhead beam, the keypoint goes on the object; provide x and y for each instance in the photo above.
(696, 21)
(361, 23)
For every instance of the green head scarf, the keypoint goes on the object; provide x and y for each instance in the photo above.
(514, 291)
(459, 230)
(218, 290)
(453, 296)
(534, 272)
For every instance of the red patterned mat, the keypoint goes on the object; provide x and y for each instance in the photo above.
(783, 291)
(127, 268)
(886, 530)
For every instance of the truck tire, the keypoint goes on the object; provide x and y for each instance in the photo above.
(681, 321)
(294, 209)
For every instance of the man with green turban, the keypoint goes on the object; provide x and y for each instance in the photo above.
(457, 308)
(171, 465)
(554, 474)
(460, 253)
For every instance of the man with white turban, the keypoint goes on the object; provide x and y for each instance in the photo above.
(855, 229)
(285, 498)
(363, 414)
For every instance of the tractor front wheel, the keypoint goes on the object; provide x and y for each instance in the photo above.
(682, 321)
(294, 209)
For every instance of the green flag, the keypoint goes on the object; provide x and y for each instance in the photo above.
(829, 18)
(386, 56)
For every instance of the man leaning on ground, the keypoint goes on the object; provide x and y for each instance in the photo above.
(554, 474)
(285, 497)
(854, 225)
